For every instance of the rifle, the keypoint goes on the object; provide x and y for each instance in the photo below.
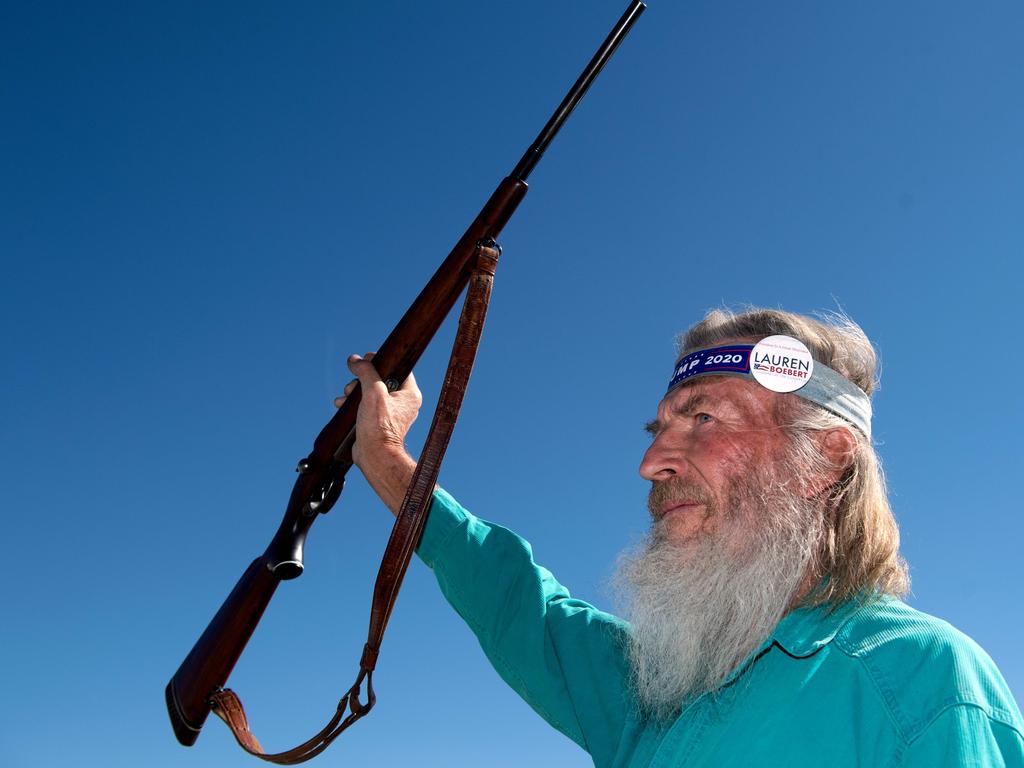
(196, 688)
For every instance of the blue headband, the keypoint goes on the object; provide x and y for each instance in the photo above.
(832, 391)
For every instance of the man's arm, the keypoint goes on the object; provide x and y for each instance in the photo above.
(562, 655)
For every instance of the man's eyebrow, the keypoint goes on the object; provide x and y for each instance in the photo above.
(689, 406)
(693, 402)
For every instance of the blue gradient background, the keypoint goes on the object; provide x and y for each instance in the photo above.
(205, 206)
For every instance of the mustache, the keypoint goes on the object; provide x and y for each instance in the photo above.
(677, 490)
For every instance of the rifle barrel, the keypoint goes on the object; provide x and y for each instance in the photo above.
(578, 90)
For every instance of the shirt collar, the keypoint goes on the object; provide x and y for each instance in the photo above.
(801, 633)
(805, 631)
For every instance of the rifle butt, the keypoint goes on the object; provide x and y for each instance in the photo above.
(208, 665)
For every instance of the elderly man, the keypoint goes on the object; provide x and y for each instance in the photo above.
(766, 626)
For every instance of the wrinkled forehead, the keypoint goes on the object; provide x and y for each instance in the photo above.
(726, 394)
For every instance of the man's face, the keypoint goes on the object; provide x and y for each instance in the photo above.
(708, 436)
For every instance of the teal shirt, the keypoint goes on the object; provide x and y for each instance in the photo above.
(876, 684)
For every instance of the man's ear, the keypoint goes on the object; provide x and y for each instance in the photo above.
(838, 446)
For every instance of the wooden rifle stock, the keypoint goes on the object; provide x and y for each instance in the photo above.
(208, 664)
(321, 474)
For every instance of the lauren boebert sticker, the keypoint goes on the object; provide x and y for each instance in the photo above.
(781, 363)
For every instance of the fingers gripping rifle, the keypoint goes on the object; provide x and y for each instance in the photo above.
(196, 688)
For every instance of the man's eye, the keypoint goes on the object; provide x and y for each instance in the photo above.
(704, 418)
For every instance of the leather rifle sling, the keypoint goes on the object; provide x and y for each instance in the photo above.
(411, 519)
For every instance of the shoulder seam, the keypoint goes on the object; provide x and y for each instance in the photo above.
(986, 711)
(995, 714)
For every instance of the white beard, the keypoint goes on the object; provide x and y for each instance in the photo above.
(700, 606)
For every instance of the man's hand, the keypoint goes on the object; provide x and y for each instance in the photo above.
(382, 423)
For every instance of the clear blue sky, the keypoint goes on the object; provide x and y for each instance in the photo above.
(205, 206)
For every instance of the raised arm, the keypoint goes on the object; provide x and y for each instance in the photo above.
(561, 655)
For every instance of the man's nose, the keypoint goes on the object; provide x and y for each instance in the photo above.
(664, 459)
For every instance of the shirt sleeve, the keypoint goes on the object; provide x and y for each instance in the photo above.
(965, 736)
(562, 655)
